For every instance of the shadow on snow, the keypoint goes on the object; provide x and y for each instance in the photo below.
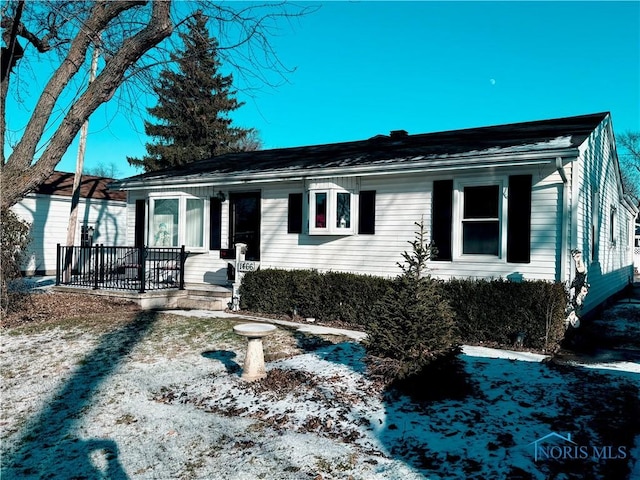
(225, 357)
(49, 443)
(477, 418)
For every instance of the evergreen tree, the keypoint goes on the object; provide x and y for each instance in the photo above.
(194, 101)
(412, 325)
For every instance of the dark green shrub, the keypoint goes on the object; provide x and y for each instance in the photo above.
(15, 237)
(497, 312)
(267, 291)
(332, 296)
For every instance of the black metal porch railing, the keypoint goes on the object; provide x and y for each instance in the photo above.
(121, 268)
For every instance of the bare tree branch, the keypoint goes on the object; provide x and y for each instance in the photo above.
(136, 45)
(22, 176)
(629, 155)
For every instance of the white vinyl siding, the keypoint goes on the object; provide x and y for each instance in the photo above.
(367, 254)
(609, 265)
(401, 201)
(49, 219)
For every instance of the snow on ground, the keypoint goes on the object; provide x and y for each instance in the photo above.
(486, 352)
(147, 401)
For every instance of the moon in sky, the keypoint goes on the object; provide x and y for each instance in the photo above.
(492, 81)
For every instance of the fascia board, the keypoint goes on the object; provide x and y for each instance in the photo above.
(428, 165)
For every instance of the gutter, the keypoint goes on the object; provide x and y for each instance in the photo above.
(564, 249)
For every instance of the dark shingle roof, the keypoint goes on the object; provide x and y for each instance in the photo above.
(96, 188)
(397, 148)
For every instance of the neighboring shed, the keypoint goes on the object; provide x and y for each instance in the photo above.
(47, 210)
(509, 201)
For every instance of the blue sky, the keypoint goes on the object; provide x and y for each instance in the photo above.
(365, 68)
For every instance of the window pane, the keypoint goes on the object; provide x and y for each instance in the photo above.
(194, 225)
(481, 202)
(321, 210)
(165, 222)
(343, 217)
(480, 238)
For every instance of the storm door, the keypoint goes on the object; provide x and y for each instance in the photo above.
(244, 222)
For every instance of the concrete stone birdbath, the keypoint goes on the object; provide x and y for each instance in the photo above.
(254, 360)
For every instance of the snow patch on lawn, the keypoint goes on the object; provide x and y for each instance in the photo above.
(486, 352)
(81, 404)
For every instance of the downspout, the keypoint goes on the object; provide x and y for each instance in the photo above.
(564, 248)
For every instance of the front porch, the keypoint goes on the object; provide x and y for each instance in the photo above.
(151, 277)
(138, 269)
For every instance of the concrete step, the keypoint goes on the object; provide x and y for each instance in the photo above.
(205, 297)
(213, 304)
(208, 290)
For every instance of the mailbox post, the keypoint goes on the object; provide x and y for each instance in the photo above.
(241, 251)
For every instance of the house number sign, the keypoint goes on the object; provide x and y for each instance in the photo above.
(246, 266)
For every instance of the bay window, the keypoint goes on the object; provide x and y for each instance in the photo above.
(330, 212)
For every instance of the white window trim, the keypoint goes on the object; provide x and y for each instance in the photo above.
(458, 217)
(332, 205)
(182, 215)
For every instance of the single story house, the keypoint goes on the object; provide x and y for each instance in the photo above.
(514, 201)
(102, 218)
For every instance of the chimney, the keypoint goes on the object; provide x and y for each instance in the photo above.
(398, 134)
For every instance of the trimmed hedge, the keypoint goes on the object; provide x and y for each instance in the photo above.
(498, 311)
(331, 296)
(491, 312)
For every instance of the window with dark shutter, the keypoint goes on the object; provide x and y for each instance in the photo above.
(519, 219)
(294, 218)
(481, 220)
(215, 224)
(441, 217)
(367, 212)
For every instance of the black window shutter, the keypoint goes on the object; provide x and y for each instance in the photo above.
(140, 223)
(367, 212)
(519, 219)
(215, 224)
(294, 218)
(442, 217)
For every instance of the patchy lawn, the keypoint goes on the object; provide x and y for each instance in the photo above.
(128, 394)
